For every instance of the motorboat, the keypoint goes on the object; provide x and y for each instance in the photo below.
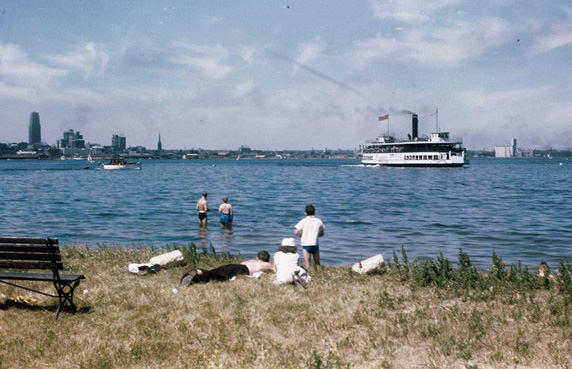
(120, 163)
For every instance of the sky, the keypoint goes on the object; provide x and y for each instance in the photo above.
(278, 74)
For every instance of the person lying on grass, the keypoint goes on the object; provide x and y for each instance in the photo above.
(229, 271)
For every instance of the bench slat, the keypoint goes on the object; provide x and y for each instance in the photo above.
(28, 248)
(27, 256)
(36, 241)
(38, 276)
(29, 265)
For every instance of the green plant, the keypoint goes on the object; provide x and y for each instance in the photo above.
(467, 274)
(498, 268)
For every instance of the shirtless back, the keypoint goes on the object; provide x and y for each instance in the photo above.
(202, 205)
(255, 265)
(202, 208)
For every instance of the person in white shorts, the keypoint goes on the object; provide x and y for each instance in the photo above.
(309, 230)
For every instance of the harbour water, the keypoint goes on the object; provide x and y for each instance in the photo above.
(520, 208)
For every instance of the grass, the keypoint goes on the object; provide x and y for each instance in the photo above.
(404, 315)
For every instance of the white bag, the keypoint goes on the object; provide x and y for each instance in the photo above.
(368, 264)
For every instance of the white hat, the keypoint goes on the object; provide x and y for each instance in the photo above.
(289, 241)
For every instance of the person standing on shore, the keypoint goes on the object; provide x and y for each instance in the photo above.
(202, 208)
(309, 230)
(225, 211)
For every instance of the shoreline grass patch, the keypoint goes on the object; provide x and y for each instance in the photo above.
(407, 314)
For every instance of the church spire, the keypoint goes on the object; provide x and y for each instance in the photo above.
(159, 146)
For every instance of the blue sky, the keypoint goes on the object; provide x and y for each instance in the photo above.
(287, 74)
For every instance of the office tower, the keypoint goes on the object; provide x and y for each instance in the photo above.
(72, 140)
(34, 129)
(118, 142)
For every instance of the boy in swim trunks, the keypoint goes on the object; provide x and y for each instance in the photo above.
(309, 230)
(202, 208)
(225, 272)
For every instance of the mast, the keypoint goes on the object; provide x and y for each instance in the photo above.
(437, 119)
(388, 126)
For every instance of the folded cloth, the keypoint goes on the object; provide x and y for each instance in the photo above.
(368, 264)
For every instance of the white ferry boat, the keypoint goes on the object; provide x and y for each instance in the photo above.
(438, 150)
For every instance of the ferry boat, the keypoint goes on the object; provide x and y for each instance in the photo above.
(438, 150)
(120, 163)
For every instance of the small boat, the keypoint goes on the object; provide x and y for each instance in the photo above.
(120, 163)
(90, 159)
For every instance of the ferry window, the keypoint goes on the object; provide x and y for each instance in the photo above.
(424, 157)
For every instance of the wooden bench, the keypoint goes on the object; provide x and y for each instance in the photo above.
(18, 254)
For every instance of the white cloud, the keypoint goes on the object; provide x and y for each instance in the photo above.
(306, 53)
(207, 59)
(408, 11)
(19, 72)
(211, 19)
(243, 88)
(450, 45)
(89, 59)
(560, 35)
(23, 79)
(247, 53)
(505, 98)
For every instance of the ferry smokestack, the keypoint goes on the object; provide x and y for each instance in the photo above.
(414, 125)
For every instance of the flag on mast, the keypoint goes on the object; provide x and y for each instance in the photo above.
(383, 117)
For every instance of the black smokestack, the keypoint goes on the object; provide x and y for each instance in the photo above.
(414, 125)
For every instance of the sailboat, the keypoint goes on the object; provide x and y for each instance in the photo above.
(90, 159)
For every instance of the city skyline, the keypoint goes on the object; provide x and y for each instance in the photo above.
(313, 74)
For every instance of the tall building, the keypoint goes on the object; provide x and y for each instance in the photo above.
(159, 145)
(118, 142)
(72, 140)
(34, 129)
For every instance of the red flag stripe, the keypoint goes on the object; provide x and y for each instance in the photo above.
(383, 117)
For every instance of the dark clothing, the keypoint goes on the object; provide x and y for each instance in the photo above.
(225, 218)
(312, 249)
(222, 273)
(202, 216)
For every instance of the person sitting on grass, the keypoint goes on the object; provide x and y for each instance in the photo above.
(286, 265)
(228, 271)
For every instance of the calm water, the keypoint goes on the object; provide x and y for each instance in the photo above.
(521, 208)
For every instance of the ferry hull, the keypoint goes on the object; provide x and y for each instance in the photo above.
(438, 160)
(451, 165)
